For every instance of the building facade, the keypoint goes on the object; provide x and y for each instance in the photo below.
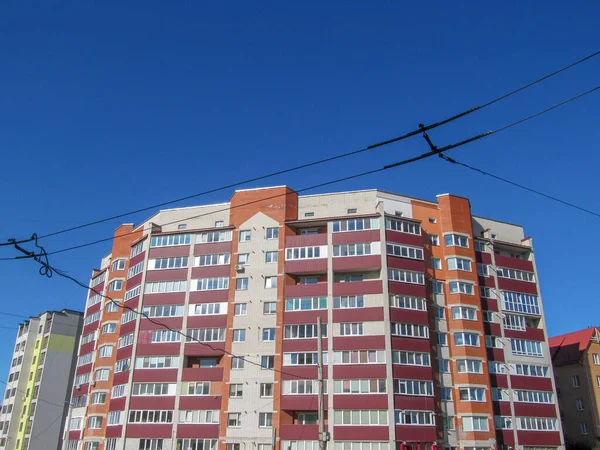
(433, 329)
(39, 382)
(576, 361)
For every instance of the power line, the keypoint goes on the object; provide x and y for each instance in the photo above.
(324, 160)
(165, 326)
(483, 172)
(433, 152)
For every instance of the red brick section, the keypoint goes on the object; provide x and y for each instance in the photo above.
(280, 204)
(123, 238)
(454, 215)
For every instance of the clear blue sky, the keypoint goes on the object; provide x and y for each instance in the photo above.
(112, 106)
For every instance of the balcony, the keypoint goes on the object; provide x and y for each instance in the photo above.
(356, 263)
(357, 287)
(291, 432)
(305, 290)
(306, 266)
(202, 374)
(306, 240)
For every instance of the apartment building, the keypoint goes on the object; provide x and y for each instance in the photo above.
(39, 381)
(433, 329)
(576, 361)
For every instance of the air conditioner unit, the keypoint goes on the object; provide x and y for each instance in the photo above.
(239, 268)
(78, 387)
(93, 384)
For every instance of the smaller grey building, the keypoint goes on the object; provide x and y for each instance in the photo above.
(35, 403)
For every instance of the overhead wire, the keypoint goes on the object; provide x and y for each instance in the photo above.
(434, 151)
(513, 183)
(324, 160)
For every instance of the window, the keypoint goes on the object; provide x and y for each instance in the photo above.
(402, 226)
(464, 313)
(269, 307)
(308, 280)
(487, 316)
(356, 224)
(76, 423)
(596, 359)
(154, 389)
(414, 417)
(240, 309)
(213, 236)
(483, 270)
(137, 249)
(266, 390)
(157, 362)
(118, 264)
(111, 307)
(239, 335)
(211, 284)
(354, 386)
(163, 311)
(406, 276)
(170, 240)
(114, 418)
(76, 402)
(446, 394)
(203, 416)
(273, 233)
(95, 422)
(241, 284)
(196, 388)
(493, 342)
(360, 417)
(530, 370)
(470, 394)
(232, 447)
(469, 366)
(219, 223)
(150, 416)
(514, 274)
(182, 226)
(520, 303)
(165, 286)
(109, 328)
(359, 357)
(312, 303)
(440, 313)
(205, 335)
(303, 331)
(486, 292)
(514, 322)
(500, 395)
(459, 287)
(166, 336)
(536, 424)
(456, 240)
(526, 347)
(268, 334)
(234, 420)
(301, 387)
(406, 302)
(270, 282)
(199, 444)
(404, 251)
(466, 339)
(459, 264)
(410, 330)
(503, 422)
(442, 338)
(475, 423)
(151, 444)
(598, 380)
(434, 239)
(479, 245)
(208, 309)
(216, 259)
(538, 397)
(413, 387)
(583, 428)
(351, 329)
(131, 293)
(411, 358)
(265, 420)
(244, 235)
(236, 390)
(178, 262)
(295, 253)
(237, 363)
(352, 249)
(267, 362)
(122, 365)
(271, 257)
(576, 382)
(84, 359)
(444, 365)
(353, 278)
(243, 258)
(436, 263)
(105, 351)
(88, 445)
(437, 287)
(115, 285)
(99, 279)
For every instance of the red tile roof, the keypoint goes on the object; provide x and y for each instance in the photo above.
(569, 348)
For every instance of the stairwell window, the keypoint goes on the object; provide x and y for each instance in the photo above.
(596, 359)
(434, 239)
(576, 382)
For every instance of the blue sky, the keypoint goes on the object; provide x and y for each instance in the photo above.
(112, 106)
